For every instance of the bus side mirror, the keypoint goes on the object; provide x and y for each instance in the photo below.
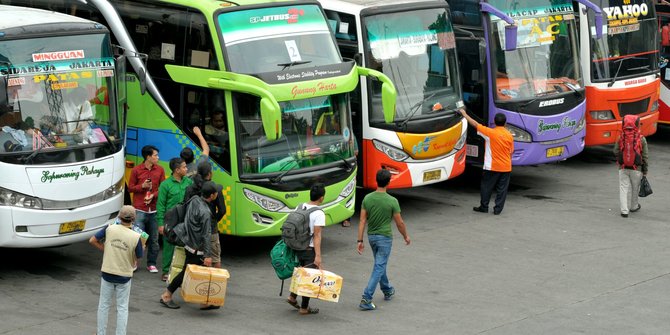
(510, 37)
(4, 96)
(388, 102)
(358, 58)
(271, 120)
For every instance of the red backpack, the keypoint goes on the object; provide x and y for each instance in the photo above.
(630, 143)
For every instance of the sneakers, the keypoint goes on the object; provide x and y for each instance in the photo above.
(367, 305)
(636, 209)
(152, 269)
(164, 277)
(624, 215)
(389, 295)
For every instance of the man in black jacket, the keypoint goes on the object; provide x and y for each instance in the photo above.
(196, 238)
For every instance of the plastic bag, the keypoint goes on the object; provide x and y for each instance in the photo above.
(645, 188)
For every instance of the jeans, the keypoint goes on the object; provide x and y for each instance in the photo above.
(107, 290)
(499, 181)
(147, 222)
(629, 187)
(381, 250)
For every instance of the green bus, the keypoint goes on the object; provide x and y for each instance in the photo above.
(265, 82)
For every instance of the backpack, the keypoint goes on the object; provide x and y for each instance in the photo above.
(283, 260)
(173, 222)
(630, 144)
(295, 230)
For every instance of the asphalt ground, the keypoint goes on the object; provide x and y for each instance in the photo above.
(559, 260)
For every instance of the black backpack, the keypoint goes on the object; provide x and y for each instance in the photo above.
(295, 230)
(173, 222)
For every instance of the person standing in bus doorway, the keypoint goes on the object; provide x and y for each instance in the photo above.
(189, 157)
(632, 156)
(121, 247)
(217, 207)
(311, 257)
(170, 193)
(498, 151)
(377, 211)
(196, 238)
(144, 181)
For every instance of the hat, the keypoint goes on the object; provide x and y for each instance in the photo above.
(127, 213)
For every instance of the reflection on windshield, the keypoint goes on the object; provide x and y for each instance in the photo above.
(545, 61)
(315, 131)
(629, 47)
(417, 52)
(43, 115)
(276, 38)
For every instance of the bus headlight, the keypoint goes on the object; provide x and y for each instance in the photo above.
(351, 186)
(114, 190)
(15, 199)
(519, 134)
(393, 153)
(267, 203)
(580, 125)
(654, 106)
(461, 142)
(602, 115)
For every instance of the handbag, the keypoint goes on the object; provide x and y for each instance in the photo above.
(645, 188)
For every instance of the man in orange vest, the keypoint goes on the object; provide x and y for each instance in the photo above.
(498, 151)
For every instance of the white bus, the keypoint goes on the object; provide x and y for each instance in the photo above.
(62, 95)
(413, 43)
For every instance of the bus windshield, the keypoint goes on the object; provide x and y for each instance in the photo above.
(314, 131)
(545, 62)
(58, 96)
(626, 48)
(418, 53)
(277, 38)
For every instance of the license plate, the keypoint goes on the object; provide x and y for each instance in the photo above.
(471, 150)
(432, 175)
(553, 152)
(71, 227)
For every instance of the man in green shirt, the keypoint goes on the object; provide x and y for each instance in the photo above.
(170, 193)
(377, 211)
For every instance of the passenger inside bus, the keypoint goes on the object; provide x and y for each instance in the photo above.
(77, 111)
(216, 132)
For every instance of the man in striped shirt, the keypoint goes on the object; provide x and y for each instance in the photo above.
(498, 151)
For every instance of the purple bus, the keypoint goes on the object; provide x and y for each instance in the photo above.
(536, 81)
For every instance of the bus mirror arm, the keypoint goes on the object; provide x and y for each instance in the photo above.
(389, 93)
(510, 29)
(597, 14)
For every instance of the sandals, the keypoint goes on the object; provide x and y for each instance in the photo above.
(293, 303)
(209, 307)
(308, 311)
(169, 304)
(346, 223)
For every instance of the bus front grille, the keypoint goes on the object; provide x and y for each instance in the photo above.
(633, 108)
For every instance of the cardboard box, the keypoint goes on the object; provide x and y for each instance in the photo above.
(204, 285)
(177, 262)
(315, 283)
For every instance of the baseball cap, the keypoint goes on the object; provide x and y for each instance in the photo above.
(127, 213)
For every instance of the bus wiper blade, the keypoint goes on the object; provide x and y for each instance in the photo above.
(32, 155)
(290, 64)
(573, 88)
(620, 61)
(342, 159)
(414, 109)
(646, 67)
(277, 179)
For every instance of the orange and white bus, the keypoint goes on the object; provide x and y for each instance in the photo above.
(621, 68)
(663, 14)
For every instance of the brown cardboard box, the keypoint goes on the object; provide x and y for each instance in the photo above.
(204, 285)
(315, 283)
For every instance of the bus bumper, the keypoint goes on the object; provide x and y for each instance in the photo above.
(546, 152)
(607, 132)
(25, 228)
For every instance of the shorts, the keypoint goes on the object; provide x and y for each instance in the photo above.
(216, 249)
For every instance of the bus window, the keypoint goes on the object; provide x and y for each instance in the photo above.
(473, 76)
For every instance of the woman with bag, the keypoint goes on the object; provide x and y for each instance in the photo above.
(632, 156)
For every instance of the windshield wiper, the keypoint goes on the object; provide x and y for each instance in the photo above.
(620, 61)
(290, 64)
(414, 109)
(342, 159)
(572, 88)
(277, 179)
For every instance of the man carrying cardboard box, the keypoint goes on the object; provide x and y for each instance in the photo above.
(121, 247)
(196, 238)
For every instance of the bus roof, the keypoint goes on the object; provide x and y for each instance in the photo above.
(23, 22)
(213, 5)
